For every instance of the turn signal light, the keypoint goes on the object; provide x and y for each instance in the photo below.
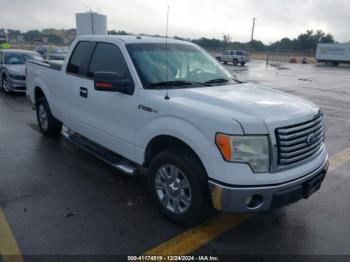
(224, 144)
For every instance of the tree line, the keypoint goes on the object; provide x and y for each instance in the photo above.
(49, 35)
(304, 42)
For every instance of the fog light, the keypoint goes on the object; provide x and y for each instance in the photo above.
(254, 201)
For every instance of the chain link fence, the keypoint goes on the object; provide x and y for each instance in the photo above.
(282, 57)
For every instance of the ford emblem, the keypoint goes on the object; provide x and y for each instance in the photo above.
(312, 139)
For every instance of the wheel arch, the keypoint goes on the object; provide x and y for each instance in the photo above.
(38, 93)
(167, 142)
(169, 131)
(3, 74)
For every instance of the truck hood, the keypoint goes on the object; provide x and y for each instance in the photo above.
(16, 69)
(252, 105)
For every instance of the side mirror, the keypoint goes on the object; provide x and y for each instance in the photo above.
(113, 82)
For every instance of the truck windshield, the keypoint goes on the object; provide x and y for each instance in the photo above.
(186, 66)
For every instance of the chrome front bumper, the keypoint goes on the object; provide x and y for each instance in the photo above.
(238, 199)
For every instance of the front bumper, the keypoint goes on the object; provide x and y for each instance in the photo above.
(238, 199)
(17, 85)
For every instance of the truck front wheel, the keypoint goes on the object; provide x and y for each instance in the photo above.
(48, 124)
(179, 186)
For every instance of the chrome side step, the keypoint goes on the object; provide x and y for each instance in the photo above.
(111, 158)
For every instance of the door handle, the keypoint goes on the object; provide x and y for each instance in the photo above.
(83, 92)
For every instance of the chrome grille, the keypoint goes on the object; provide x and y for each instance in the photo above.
(299, 142)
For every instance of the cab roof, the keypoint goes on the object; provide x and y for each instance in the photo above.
(131, 39)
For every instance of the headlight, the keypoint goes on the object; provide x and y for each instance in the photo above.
(253, 150)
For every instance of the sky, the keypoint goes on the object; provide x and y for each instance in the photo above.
(189, 18)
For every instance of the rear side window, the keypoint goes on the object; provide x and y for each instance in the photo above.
(239, 53)
(108, 58)
(78, 57)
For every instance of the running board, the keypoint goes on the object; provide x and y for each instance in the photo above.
(111, 158)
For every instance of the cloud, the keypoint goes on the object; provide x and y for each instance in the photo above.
(189, 18)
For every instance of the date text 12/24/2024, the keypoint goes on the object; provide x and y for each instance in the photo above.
(173, 258)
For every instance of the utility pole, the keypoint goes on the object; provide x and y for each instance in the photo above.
(252, 38)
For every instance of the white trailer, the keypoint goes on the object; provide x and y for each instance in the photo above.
(333, 53)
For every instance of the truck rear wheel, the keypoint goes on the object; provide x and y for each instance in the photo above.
(48, 124)
(179, 186)
(235, 61)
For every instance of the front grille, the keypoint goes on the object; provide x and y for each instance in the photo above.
(299, 142)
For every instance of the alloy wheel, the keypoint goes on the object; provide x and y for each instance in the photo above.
(173, 189)
(42, 115)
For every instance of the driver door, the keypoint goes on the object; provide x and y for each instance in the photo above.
(110, 116)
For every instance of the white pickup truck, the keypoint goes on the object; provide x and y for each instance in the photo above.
(205, 139)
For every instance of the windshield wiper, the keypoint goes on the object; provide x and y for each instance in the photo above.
(217, 81)
(222, 80)
(170, 83)
(176, 83)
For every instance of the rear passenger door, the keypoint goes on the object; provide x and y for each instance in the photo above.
(110, 116)
(225, 56)
(232, 55)
(69, 92)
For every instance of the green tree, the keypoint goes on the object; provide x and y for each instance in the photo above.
(226, 39)
(310, 39)
(207, 43)
(119, 32)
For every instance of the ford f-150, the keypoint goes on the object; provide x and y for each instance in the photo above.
(205, 139)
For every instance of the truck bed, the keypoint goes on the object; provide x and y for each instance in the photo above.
(54, 64)
(46, 74)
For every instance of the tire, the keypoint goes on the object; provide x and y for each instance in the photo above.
(219, 59)
(335, 63)
(243, 63)
(4, 85)
(194, 203)
(225, 63)
(235, 62)
(48, 124)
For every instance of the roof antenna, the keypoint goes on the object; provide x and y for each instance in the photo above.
(166, 54)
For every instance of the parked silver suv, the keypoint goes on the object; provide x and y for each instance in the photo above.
(234, 56)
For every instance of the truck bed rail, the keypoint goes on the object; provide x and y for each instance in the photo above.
(56, 65)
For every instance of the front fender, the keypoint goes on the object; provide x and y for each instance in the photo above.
(179, 128)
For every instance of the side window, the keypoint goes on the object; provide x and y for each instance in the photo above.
(232, 52)
(77, 58)
(1, 57)
(108, 58)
